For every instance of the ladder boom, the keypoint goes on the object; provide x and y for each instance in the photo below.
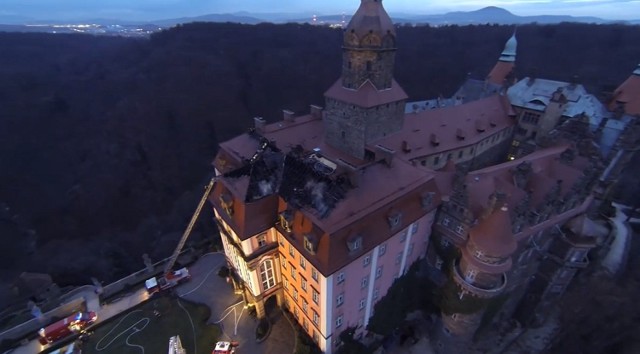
(187, 231)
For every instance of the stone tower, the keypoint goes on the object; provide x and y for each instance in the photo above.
(366, 103)
(477, 278)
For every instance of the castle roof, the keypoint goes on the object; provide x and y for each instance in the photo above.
(628, 94)
(371, 17)
(367, 95)
(493, 235)
(476, 120)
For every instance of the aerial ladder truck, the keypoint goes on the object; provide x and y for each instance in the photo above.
(169, 277)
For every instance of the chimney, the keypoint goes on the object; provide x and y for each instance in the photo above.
(433, 138)
(386, 154)
(405, 147)
(353, 174)
(260, 124)
(316, 111)
(287, 115)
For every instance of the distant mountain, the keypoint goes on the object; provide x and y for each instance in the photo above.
(498, 15)
(491, 14)
(237, 18)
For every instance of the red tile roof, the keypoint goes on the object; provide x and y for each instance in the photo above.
(628, 94)
(490, 113)
(367, 95)
(493, 235)
(500, 72)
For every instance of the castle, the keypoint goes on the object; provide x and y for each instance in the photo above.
(492, 188)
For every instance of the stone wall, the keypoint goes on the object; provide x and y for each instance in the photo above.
(379, 70)
(349, 127)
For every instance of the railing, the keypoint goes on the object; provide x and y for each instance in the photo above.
(481, 292)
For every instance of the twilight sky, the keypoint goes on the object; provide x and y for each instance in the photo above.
(159, 9)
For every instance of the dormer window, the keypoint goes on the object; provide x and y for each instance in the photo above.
(310, 243)
(285, 219)
(426, 199)
(355, 243)
(445, 221)
(226, 202)
(394, 219)
(459, 229)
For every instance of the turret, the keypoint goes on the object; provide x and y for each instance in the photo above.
(503, 70)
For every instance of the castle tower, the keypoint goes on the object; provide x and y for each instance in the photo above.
(478, 277)
(627, 96)
(502, 72)
(366, 103)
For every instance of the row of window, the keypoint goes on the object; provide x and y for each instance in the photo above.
(303, 264)
(470, 151)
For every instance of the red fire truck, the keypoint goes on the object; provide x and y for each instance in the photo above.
(67, 326)
(156, 284)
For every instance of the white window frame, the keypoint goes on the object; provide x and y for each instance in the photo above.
(262, 240)
(340, 300)
(340, 277)
(382, 249)
(339, 321)
(379, 272)
(366, 260)
(363, 303)
(303, 263)
(303, 283)
(314, 274)
(267, 275)
(445, 221)
(364, 282)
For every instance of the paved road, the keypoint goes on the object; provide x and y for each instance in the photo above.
(205, 287)
(227, 309)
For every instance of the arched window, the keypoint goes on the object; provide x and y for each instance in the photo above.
(266, 275)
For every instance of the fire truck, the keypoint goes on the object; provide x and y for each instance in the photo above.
(225, 348)
(171, 279)
(73, 324)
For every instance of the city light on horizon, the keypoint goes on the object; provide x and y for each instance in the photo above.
(160, 9)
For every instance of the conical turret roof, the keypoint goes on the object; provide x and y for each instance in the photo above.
(493, 235)
(371, 17)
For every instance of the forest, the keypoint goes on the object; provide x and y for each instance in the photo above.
(106, 143)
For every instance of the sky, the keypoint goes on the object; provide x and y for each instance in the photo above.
(160, 9)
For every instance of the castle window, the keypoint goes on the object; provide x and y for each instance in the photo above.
(471, 275)
(262, 240)
(266, 274)
(355, 243)
(394, 219)
(382, 250)
(439, 262)
(310, 243)
(285, 219)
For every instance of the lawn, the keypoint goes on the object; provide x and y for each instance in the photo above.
(141, 330)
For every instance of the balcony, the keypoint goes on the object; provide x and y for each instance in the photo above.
(474, 289)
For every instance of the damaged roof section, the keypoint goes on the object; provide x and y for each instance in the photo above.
(263, 169)
(307, 182)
